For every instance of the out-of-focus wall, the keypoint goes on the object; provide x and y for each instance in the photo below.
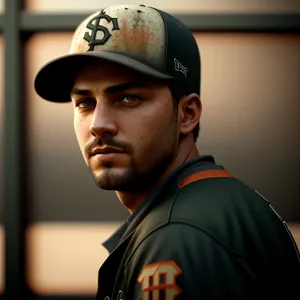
(194, 6)
(250, 120)
(1, 162)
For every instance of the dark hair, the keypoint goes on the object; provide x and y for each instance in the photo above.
(178, 91)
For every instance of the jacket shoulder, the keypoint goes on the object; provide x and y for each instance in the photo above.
(225, 209)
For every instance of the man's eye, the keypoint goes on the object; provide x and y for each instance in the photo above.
(130, 99)
(86, 103)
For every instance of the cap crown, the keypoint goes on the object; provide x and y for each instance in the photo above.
(135, 31)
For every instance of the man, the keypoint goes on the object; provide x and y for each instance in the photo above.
(195, 232)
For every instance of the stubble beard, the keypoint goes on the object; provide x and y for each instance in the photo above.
(132, 179)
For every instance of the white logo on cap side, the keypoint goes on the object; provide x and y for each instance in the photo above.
(180, 67)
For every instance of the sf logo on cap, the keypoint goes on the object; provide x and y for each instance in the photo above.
(91, 39)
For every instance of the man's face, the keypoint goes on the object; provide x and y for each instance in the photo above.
(126, 126)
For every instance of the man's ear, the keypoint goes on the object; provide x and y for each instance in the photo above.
(189, 113)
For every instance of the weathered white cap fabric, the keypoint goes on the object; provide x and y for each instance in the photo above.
(141, 38)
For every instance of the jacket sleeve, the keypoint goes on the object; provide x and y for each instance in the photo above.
(179, 261)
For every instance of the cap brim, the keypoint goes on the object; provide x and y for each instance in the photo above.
(55, 80)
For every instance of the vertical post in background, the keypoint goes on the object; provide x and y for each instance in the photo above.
(14, 152)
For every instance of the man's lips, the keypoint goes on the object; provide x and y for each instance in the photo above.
(105, 150)
(106, 154)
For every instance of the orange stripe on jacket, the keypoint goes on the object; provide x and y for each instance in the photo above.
(204, 175)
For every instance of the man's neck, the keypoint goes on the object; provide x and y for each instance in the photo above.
(132, 200)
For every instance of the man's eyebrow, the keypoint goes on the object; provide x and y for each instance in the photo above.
(110, 90)
(126, 86)
(77, 91)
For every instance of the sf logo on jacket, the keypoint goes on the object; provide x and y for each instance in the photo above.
(155, 282)
(159, 281)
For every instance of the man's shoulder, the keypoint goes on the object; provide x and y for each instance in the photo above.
(215, 196)
(219, 206)
(209, 200)
(223, 208)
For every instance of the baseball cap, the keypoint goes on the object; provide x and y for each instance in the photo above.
(141, 38)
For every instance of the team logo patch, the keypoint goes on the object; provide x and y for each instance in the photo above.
(92, 39)
(158, 281)
(180, 67)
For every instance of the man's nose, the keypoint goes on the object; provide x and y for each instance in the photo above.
(103, 122)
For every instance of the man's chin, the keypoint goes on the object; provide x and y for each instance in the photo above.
(116, 181)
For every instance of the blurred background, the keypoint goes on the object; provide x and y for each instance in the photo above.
(53, 218)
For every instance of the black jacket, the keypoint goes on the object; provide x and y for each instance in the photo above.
(201, 235)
